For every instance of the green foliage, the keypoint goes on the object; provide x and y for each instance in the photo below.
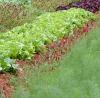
(23, 41)
(76, 76)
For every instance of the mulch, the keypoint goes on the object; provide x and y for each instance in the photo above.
(5, 87)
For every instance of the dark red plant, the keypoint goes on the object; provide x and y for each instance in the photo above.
(90, 5)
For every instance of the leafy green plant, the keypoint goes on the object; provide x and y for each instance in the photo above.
(23, 41)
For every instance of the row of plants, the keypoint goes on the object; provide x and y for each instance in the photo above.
(24, 41)
(90, 5)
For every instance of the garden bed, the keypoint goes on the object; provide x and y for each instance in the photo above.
(57, 49)
(55, 52)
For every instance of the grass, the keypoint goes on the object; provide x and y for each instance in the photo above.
(12, 14)
(76, 76)
(16, 15)
(49, 5)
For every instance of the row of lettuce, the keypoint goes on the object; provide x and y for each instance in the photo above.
(24, 41)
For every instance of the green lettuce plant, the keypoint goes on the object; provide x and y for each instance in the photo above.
(23, 41)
